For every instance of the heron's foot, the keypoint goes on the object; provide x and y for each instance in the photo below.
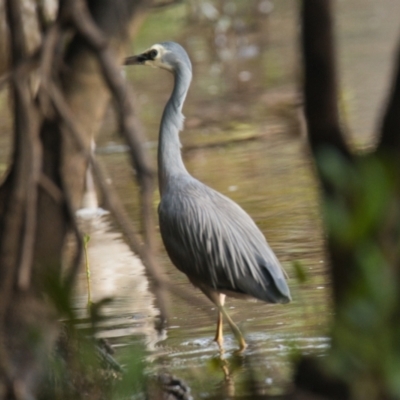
(242, 345)
(239, 337)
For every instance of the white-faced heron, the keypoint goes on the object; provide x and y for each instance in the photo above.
(207, 236)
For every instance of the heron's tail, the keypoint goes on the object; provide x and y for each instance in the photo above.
(273, 289)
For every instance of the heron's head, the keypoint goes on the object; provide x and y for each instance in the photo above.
(167, 55)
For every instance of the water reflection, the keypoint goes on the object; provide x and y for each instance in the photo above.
(117, 274)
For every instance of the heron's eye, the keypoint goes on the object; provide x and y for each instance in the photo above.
(153, 54)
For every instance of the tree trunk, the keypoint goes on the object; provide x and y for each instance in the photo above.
(362, 248)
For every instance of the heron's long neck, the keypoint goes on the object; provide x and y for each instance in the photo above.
(170, 161)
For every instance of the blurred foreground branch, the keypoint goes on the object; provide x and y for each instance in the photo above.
(361, 205)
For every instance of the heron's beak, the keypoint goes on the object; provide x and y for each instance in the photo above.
(135, 60)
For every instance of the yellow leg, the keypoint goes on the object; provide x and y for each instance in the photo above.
(219, 300)
(219, 336)
(236, 331)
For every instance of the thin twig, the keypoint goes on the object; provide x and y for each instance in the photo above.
(33, 177)
(50, 42)
(76, 261)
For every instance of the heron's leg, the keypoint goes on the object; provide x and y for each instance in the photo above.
(236, 331)
(219, 337)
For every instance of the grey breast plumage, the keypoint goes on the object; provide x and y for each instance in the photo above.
(215, 242)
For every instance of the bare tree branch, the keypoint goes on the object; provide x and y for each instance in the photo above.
(35, 160)
(50, 42)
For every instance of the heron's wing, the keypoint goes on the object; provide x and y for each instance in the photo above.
(213, 241)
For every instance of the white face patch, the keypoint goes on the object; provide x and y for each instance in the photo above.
(157, 62)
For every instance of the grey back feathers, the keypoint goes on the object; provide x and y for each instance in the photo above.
(212, 240)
